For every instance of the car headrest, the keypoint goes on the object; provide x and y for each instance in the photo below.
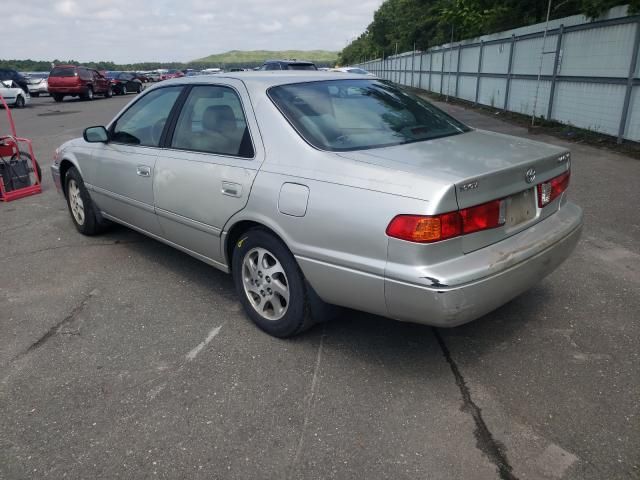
(215, 115)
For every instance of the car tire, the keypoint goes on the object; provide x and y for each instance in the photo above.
(57, 97)
(89, 95)
(270, 284)
(20, 103)
(123, 90)
(139, 89)
(80, 205)
(109, 92)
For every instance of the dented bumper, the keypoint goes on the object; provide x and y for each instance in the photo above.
(463, 289)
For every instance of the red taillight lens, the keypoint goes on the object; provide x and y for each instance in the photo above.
(425, 229)
(482, 217)
(549, 191)
(434, 228)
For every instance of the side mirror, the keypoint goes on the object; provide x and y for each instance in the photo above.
(95, 135)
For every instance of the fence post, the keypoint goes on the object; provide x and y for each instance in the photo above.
(479, 71)
(627, 94)
(420, 74)
(442, 72)
(430, 68)
(556, 61)
(509, 68)
(458, 70)
(413, 59)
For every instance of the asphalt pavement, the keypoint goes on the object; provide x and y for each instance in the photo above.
(121, 357)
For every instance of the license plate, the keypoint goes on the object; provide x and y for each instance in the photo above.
(520, 208)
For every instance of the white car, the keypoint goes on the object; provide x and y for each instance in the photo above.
(355, 70)
(13, 94)
(38, 83)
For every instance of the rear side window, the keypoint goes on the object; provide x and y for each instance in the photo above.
(212, 121)
(143, 123)
(63, 72)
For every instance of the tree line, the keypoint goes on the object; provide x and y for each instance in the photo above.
(401, 25)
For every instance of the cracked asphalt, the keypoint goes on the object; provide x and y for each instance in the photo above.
(123, 358)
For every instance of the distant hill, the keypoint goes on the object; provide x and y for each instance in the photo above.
(251, 57)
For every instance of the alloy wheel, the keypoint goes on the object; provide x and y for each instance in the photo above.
(75, 202)
(265, 283)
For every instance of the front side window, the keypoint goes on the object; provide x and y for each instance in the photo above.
(343, 115)
(143, 123)
(212, 121)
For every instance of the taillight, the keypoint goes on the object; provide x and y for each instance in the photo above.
(549, 191)
(434, 228)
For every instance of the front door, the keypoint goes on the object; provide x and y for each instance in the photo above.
(205, 174)
(125, 166)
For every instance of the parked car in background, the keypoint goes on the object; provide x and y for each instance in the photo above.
(38, 83)
(143, 77)
(124, 82)
(153, 76)
(288, 65)
(169, 74)
(346, 190)
(77, 81)
(9, 74)
(356, 70)
(13, 94)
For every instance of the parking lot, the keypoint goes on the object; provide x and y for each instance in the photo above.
(121, 357)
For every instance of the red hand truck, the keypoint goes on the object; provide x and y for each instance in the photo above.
(14, 161)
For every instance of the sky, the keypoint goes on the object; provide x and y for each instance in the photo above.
(127, 31)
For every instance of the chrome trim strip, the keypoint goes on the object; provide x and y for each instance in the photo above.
(203, 227)
(121, 198)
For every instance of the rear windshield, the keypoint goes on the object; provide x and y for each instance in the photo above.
(301, 66)
(343, 115)
(63, 72)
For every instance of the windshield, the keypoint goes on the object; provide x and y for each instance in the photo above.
(63, 72)
(301, 66)
(343, 115)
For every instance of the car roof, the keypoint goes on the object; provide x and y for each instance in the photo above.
(264, 79)
(289, 61)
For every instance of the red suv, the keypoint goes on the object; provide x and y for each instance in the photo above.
(73, 81)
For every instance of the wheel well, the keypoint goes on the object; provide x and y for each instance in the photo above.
(65, 165)
(236, 232)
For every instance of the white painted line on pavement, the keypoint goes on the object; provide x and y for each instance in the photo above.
(198, 348)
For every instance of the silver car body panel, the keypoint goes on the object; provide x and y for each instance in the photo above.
(332, 209)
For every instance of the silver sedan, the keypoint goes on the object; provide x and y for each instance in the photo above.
(313, 189)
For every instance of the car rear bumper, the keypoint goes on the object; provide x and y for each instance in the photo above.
(67, 90)
(502, 271)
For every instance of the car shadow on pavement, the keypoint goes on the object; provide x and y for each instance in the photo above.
(358, 329)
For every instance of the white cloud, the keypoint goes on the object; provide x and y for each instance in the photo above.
(166, 30)
(270, 27)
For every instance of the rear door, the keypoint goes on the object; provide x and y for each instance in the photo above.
(64, 78)
(125, 166)
(206, 173)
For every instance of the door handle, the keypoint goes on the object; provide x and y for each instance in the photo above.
(143, 171)
(231, 189)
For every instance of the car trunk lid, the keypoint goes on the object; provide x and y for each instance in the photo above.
(64, 77)
(483, 166)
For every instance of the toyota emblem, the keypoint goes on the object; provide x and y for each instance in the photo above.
(530, 176)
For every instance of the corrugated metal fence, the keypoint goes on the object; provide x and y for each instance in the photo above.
(589, 71)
